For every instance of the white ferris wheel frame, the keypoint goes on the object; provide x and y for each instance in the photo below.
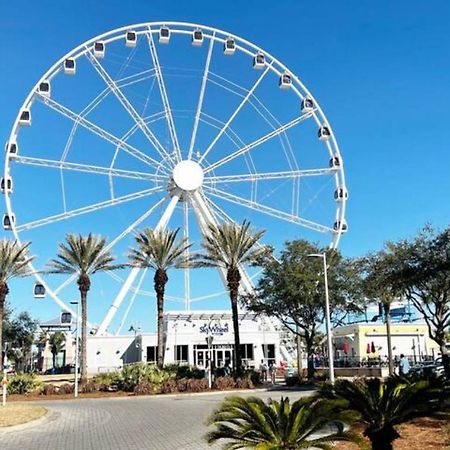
(198, 201)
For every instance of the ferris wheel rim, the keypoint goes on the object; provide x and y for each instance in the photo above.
(148, 27)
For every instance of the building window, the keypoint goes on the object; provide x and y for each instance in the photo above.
(181, 354)
(152, 354)
(269, 353)
(247, 352)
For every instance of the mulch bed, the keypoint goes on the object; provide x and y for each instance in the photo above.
(427, 433)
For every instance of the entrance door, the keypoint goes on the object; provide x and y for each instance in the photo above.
(222, 356)
(201, 358)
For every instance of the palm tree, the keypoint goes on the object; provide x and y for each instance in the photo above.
(57, 342)
(14, 262)
(84, 256)
(383, 405)
(309, 423)
(228, 246)
(159, 250)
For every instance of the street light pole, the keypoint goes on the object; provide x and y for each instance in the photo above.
(75, 391)
(327, 316)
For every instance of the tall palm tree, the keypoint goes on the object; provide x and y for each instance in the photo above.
(160, 250)
(84, 256)
(246, 423)
(14, 262)
(228, 246)
(57, 342)
(383, 405)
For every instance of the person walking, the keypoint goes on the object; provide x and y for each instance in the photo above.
(404, 366)
(263, 370)
(272, 372)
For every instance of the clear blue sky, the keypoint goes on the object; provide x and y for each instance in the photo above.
(380, 70)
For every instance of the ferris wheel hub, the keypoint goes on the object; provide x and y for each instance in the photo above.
(188, 175)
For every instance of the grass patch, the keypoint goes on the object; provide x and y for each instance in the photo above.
(15, 414)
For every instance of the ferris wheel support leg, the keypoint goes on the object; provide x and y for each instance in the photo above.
(135, 270)
(205, 217)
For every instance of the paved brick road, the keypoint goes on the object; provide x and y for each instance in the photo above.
(142, 423)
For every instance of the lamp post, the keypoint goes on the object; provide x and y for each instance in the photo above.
(209, 340)
(77, 351)
(327, 315)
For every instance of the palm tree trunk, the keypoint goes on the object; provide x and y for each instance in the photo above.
(387, 312)
(84, 284)
(3, 293)
(54, 360)
(233, 279)
(160, 279)
(445, 359)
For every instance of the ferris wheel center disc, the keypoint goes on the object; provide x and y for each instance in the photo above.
(188, 175)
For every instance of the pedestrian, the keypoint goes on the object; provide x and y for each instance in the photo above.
(227, 369)
(404, 366)
(263, 370)
(272, 372)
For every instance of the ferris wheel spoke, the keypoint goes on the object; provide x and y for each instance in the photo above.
(257, 142)
(201, 96)
(99, 131)
(235, 113)
(164, 97)
(87, 209)
(76, 167)
(270, 175)
(268, 210)
(127, 105)
(187, 273)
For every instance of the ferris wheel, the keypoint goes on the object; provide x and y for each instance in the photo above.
(168, 125)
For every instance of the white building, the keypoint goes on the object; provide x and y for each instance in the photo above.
(185, 342)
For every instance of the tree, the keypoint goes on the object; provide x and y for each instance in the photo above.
(292, 289)
(383, 405)
(420, 270)
(84, 256)
(57, 342)
(160, 251)
(252, 423)
(230, 246)
(14, 262)
(376, 285)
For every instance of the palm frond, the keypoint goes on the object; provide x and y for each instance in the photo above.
(15, 260)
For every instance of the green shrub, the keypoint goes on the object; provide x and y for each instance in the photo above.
(254, 377)
(244, 383)
(134, 374)
(108, 382)
(23, 383)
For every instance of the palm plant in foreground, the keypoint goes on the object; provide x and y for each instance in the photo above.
(229, 246)
(57, 342)
(14, 262)
(83, 256)
(160, 250)
(245, 423)
(383, 405)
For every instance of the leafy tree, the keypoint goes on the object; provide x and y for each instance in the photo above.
(230, 246)
(292, 290)
(14, 262)
(57, 342)
(252, 423)
(160, 251)
(420, 270)
(84, 256)
(376, 285)
(383, 405)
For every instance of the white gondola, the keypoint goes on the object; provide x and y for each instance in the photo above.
(25, 118)
(285, 81)
(340, 194)
(324, 133)
(131, 39)
(70, 66)
(197, 38)
(6, 185)
(338, 226)
(307, 105)
(335, 162)
(99, 49)
(39, 290)
(44, 88)
(229, 47)
(164, 35)
(11, 148)
(8, 221)
(259, 60)
(66, 318)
